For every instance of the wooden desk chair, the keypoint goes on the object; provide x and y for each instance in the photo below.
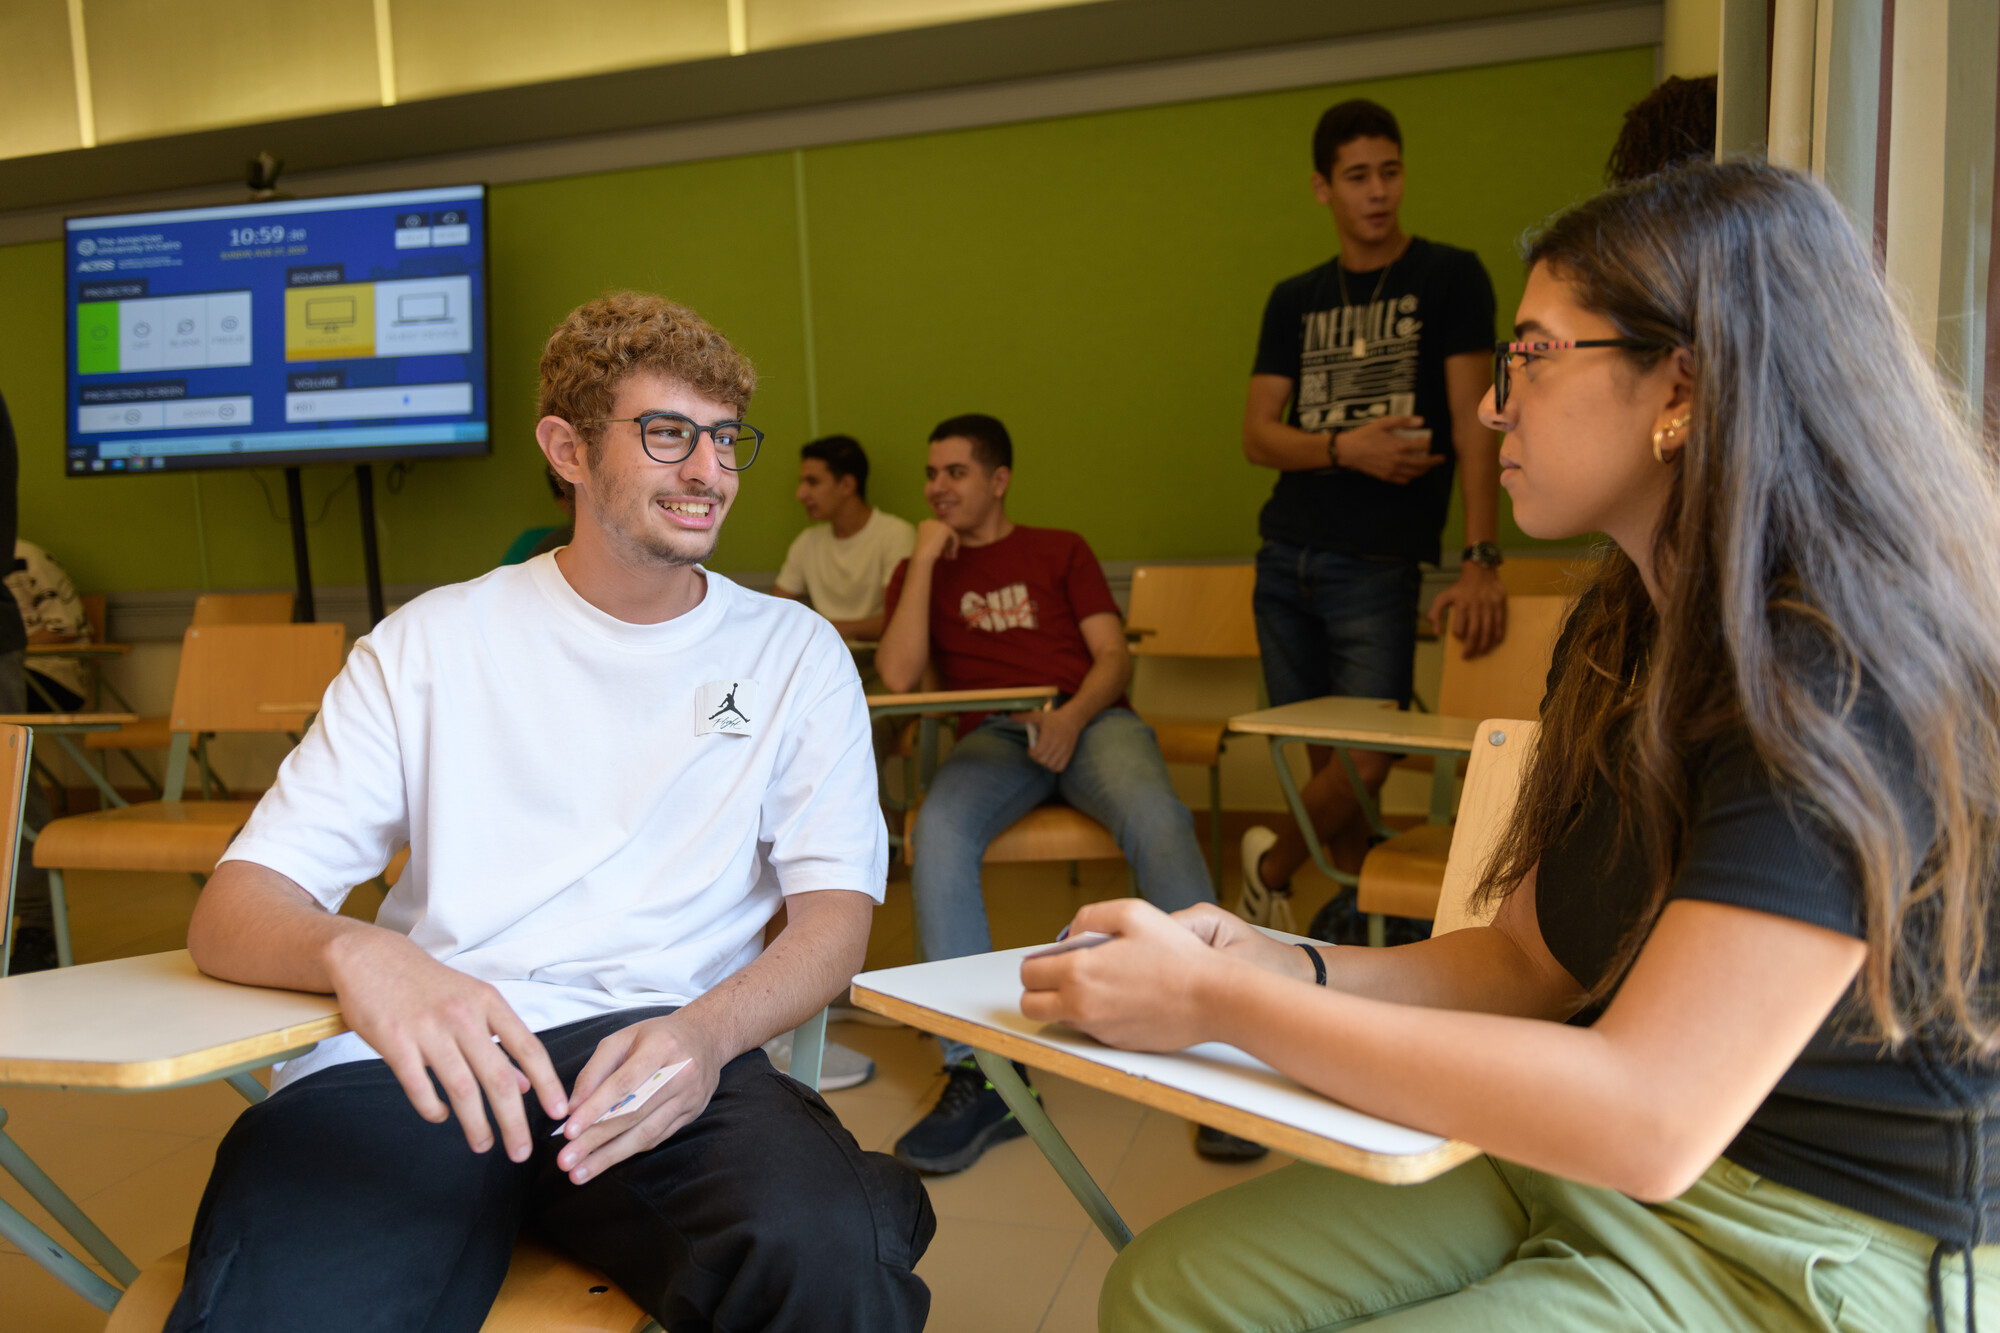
(16, 759)
(1198, 611)
(1046, 833)
(157, 733)
(1544, 578)
(1402, 876)
(1053, 832)
(1492, 785)
(227, 672)
(15, 755)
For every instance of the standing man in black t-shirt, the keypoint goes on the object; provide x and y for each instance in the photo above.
(1364, 396)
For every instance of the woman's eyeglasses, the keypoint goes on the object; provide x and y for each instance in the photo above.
(1504, 354)
(669, 437)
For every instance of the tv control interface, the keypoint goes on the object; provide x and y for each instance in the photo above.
(270, 334)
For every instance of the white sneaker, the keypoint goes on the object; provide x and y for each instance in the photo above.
(1259, 905)
(839, 1068)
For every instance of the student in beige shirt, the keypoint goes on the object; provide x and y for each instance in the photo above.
(843, 561)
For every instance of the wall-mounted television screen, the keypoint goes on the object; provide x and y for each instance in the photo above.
(297, 331)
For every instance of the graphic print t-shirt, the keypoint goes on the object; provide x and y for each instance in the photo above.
(1011, 613)
(1436, 302)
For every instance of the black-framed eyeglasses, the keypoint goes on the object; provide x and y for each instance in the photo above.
(669, 437)
(1505, 352)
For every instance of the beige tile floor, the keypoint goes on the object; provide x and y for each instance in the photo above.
(137, 1163)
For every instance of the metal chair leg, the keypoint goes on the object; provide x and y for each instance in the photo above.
(1215, 827)
(45, 1250)
(247, 1087)
(1028, 1110)
(63, 1209)
(59, 909)
(809, 1049)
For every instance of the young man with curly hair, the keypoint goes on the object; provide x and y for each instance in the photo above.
(614, 769)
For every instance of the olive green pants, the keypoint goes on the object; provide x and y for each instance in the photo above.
(1493, 1246)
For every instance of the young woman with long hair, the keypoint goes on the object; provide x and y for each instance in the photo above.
(1730, 1038)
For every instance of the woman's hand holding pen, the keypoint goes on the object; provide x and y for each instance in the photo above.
(1148, 989)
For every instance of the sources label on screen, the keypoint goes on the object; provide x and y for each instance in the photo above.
(403, 317)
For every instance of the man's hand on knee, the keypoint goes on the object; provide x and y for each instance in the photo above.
(623, 1061)
(426, 1019)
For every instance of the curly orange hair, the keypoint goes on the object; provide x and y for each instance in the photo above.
(604, 341)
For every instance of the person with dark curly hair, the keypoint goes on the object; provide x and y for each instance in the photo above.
(1673, 123)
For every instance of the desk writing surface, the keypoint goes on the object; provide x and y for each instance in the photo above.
(46, 721)
(78, 649)
(946, 699)
(1360, 721)
(977, 1000)
(147, 1022)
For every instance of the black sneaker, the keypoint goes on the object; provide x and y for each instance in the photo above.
(1219, 1145)
(967, 1120)
(34, 950)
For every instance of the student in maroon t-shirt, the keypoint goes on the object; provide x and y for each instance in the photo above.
(983, 602)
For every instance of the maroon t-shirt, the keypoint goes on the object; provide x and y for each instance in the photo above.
(1009, 614)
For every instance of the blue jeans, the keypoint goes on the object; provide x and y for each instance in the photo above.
(1116, 777)
(1336, 624)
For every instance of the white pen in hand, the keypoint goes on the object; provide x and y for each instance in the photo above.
(639, 1096)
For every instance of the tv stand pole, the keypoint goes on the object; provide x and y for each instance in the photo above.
(302, 609)
(364, 485)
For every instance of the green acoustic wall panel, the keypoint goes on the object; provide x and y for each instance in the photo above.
(1096, 281)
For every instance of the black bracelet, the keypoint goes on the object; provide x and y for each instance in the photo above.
(1333, 448)
(1319, 964)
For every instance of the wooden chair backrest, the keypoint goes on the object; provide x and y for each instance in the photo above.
(229, 671)
(1509, 680)
(243, 608)
(1193, 611)
(1544, 578)
(1492, 784)
(13, 792)
(93, 616)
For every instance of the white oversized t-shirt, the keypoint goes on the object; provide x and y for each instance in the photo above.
(845, 576)
(600, 815)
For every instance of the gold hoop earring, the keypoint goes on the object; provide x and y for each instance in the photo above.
(1660, 434)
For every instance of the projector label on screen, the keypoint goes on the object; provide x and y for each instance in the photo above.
(127, 290)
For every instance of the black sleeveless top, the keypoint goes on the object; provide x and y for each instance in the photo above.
(1907, 1136)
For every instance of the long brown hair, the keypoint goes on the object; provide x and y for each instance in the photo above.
(1833, 517)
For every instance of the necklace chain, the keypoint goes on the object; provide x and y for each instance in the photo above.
(1340, 274)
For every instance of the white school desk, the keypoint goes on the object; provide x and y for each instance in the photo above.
(977, 1000)
(932, 705)
(1347, 724)
(133, 1025)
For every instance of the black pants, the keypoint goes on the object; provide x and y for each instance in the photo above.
(334, 1206)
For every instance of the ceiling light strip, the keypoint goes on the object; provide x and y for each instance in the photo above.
(79, 57)
(385, 53)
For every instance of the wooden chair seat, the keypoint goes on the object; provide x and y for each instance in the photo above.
(1189, 740)
(542, 1293)
(1054, 833)
(148, 733)
(155, 835)
(1403, 876)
